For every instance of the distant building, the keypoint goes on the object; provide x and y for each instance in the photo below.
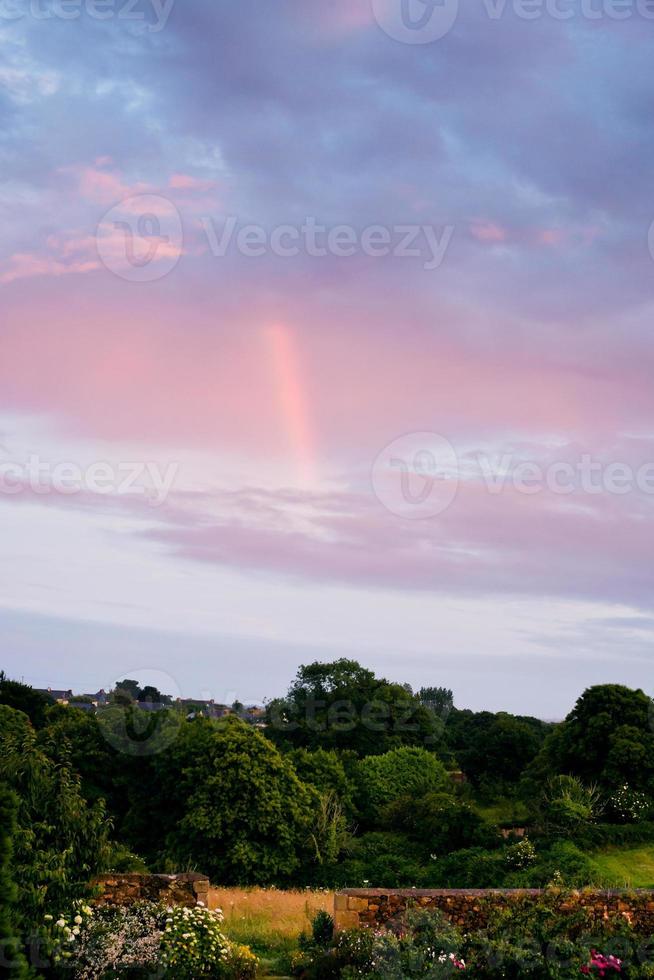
(61, 697)
(205, 709)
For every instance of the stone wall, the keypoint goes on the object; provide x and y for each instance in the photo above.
(123, 889)
(468, 908)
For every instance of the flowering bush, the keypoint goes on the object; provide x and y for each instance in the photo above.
(144, 939)
(107, 941)
(521, 855)
(628, 805)
(601, 964)
(193, 944)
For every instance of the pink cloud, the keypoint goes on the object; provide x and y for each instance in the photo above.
(488, 232)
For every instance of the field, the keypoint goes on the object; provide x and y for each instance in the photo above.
(269, 920)
(631, 867)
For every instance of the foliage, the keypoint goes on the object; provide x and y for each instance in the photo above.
(60, 841)
(23, 698)
(627, 805)
(341, 705)
(440, 823)
(234, 805)
(405, 771)
(606, 739)
(521, 855)
(567, 805)
(549, 939)
(384, 859)
(322, 928)
(11, 955)
(144, 939)
(493, 749)
(325, 771)
(193, 945)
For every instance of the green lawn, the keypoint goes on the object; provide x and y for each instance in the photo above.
(632, 867)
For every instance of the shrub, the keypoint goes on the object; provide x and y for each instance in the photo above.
(440, 822)
(521, 855)
(145, 939)
(627, 805)
(322, 928)
(193, 945)
(110, 941)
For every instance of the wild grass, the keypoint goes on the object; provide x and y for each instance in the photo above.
(625, 867)
(269, 920)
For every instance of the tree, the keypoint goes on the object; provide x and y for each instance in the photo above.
(150, 695)
(440, 700)
(606, 739)
(130, 687)
(12, 961)
(236, 807)
(440, 823)
(324, 770)
(60, 841)
(342, 705)
(494, 749)
(401, 772)
(24, 698)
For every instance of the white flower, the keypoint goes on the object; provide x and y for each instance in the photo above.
(60, 923)
(78, 920)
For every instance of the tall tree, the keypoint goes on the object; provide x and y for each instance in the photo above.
(342, 705)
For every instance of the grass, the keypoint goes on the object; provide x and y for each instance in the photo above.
(630, 867)
(269, 920)
(504, 811)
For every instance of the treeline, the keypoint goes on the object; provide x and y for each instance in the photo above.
(353, 779)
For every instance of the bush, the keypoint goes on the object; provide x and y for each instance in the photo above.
(322, 928)
(440, 822)
(402, 772)
(145, 939)
(382, 860)
(627, 805)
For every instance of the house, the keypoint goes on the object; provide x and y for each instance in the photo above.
(60, 696)
(207, 709)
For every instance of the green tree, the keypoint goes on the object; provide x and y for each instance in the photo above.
(606, 739)
(494, 749)
(440, 823)
(24, 698)
(401, 772)
(12, 961)
(130, 687)
(239, 812)
(60, 841)
(440, 700)
(342, 705)
(324, 770)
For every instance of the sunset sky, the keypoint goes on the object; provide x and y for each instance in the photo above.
(284, 394)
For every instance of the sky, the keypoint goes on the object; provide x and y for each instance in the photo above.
(325, 331)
